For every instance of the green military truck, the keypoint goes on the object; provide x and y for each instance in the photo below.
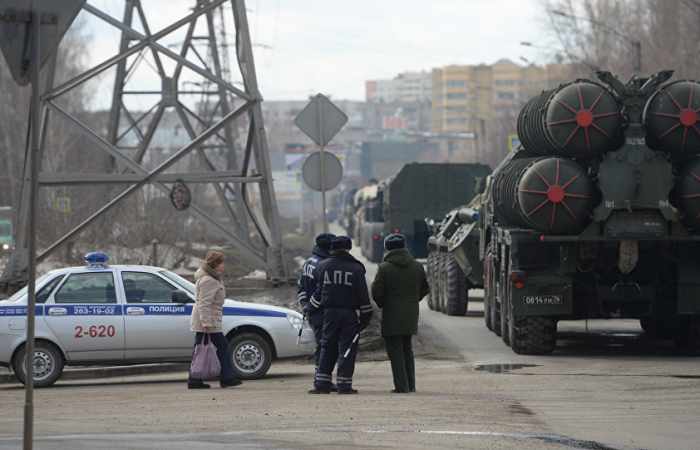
(417, 191)
(598, 214)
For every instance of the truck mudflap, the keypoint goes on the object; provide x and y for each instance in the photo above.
(543, 295)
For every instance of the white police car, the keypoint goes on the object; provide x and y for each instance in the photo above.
(118, 315)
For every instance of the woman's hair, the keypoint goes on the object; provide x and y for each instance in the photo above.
(214, 258)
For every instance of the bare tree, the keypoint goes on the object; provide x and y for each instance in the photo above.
(603, 34)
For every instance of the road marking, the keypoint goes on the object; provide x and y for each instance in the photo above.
(542, 437)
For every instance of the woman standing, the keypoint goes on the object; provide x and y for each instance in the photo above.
(207, 314)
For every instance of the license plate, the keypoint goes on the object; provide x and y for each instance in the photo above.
(543, 300)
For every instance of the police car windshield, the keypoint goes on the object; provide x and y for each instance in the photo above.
(22, 292)
(177, 279)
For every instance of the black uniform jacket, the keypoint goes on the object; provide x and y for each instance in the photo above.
(342, 285)
(308, 278)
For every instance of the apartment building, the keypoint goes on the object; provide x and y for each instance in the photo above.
(485, 100)
(406, 87)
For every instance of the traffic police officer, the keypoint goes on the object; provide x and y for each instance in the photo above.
(307, 285)
(341, 292)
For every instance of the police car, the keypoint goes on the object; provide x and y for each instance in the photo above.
(101, 314)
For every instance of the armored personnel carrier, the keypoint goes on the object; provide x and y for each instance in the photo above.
(598, 214)
(453, 258)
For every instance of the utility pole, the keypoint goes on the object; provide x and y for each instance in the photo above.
(131, 133)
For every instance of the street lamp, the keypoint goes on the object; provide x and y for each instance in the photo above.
(635, 43)
(559, 58)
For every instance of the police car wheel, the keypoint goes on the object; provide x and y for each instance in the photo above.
(48, 364)
(251, 355)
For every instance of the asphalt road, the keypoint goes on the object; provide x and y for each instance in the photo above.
(606, 382)
(606, 387)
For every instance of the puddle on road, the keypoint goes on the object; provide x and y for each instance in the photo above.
(502, 368)
(509, 368)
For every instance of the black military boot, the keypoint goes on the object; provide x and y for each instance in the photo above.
(197, 385)
(319, 391)
(347, 391)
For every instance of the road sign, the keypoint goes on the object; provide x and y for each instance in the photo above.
(327, 179)
(321, 120)
(15, 18)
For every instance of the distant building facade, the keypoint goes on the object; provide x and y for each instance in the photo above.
(485, 100)
(400, 103)
(406, 87)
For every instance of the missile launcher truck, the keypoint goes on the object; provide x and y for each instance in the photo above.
(596, 215)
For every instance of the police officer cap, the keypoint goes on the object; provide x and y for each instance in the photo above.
(324, 240)
(394, 242)
(341, 243)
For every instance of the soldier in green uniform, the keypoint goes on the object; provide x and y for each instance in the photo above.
(398, 288)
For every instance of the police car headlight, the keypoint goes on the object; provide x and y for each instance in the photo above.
(296, 321)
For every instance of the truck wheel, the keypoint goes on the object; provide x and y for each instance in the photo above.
(439, 266)
(505, 332)
(496, 317)
(533, 335)
(434, 285)
(431, 282)
(456, 288)
(251, 355)
(665, 328)
(443, 286)
(48, 364)
(487, 312)
(443, 283)
(687, 337)
(488, 288)
(505, 308)
(645, 324)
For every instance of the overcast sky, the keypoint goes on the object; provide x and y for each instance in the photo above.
(333, 46)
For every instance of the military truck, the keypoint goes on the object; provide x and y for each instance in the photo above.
(403, 201)
(453, 266)
(357, 212)
(598, 214)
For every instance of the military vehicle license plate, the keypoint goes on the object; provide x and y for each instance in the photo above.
(543, 300)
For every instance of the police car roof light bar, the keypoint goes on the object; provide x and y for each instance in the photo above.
(96, 259)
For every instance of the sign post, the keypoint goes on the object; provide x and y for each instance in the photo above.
(31, 33)
(321, 121)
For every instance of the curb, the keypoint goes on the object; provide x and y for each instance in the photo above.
(110, 372)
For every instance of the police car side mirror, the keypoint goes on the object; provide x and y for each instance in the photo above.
(180, 297)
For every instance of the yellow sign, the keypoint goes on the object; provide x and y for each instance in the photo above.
(513, 142)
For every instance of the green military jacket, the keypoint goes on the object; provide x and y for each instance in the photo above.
(399, 286)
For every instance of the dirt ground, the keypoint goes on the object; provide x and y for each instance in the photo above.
(447, 412)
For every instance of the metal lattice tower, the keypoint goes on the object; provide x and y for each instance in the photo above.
(226, 146)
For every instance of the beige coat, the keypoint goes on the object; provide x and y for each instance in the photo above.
(209, 306)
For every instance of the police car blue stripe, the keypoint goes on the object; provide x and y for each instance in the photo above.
(236, 311)
(186, 310)
(118, 310)
(11, 311)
